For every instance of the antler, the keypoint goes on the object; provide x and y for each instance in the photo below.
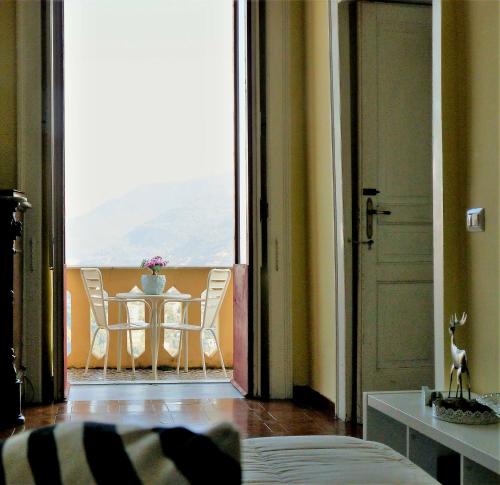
(456, 322)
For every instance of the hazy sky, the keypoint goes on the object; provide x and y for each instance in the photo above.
(148, 95)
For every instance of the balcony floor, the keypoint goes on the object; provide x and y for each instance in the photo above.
(144, 376)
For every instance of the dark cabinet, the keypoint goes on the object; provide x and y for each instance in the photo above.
(12, 205)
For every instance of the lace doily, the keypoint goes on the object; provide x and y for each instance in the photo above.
(464, 417)
(491, 400)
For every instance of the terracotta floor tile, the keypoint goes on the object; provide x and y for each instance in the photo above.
(253, 404)
(136, 408)
(142, 420)
(39, 422)
(185, 417)
(63, 418)
(293, 417)
(276, 428)
(253, 418)
(190, 407)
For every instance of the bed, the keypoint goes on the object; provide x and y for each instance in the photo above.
(326, 459)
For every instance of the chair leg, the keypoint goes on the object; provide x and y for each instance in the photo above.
(179, 351)
(203, 355)
(119, 350)
(131, 351)
(106, 354)
(90, 352)
(186, 351)
(220, 353)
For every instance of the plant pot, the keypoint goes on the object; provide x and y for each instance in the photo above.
(153, 284)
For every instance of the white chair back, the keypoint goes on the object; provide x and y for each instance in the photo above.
(92, 282)
(218, 282)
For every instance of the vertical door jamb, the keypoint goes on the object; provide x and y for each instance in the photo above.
(437, 197)
(343, 328)
(29, 143)
(53, 154)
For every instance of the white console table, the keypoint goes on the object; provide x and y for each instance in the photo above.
(451, 453)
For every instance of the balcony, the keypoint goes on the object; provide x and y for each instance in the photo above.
(116, 280)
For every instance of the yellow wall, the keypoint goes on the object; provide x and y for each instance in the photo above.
(321, 264)
(298, 176)
(186, 280)
(471, 112)
(8, 98)
(453, 180)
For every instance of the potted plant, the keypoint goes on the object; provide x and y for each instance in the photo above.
(153, 284)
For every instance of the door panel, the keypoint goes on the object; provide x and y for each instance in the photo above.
(240, 328)
(243, 213)
(404, 321)
(396, 287)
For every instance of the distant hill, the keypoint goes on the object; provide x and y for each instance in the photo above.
(189, 223)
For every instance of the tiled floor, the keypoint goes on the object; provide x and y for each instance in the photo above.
(253, 418)
(96, 376)
(151, 392)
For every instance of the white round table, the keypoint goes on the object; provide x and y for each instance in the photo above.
(155, 301)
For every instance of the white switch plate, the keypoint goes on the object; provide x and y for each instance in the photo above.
(475, 220)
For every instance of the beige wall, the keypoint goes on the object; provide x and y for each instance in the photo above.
(471, 111)
(8, 98)
(321, 264)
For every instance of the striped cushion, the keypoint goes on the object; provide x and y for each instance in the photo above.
(85, 453)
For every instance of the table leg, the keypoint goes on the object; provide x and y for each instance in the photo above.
(186, 337)
(186, 351)
(154, 337)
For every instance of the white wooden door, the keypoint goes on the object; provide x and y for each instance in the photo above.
(396, 287)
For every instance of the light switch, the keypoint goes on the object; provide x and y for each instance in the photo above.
(475, 220)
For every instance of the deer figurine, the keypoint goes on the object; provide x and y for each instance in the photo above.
(459, 357)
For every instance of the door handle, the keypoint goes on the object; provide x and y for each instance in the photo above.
(370, 212)
(370, 242)
(375, 212)
(369, 218)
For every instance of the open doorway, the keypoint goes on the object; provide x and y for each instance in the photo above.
(150, 170)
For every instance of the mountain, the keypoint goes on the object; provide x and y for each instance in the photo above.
(189, 223)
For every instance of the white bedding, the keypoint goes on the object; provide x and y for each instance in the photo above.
(326, 459)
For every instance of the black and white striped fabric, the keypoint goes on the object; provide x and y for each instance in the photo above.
(87, 453)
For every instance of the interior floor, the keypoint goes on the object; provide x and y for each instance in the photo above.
(149, 392)
(176, 405)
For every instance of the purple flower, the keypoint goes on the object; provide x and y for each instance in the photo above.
(154, 264)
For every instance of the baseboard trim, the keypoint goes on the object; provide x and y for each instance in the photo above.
(305, 395)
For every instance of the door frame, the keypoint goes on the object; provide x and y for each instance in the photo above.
(341, 138)
(48, 266)
(40, 169)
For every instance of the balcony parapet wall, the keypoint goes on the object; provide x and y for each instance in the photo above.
(117, 280)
